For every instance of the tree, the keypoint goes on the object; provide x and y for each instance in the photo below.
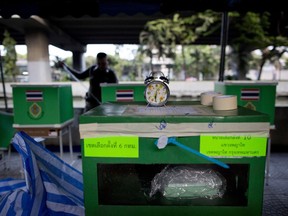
(201, 60)
(273, 53)
(163, 35)
(250, 32)
(10, 57)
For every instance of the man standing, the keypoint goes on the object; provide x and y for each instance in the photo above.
(97, 74)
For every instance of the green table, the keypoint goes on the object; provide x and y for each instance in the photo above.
(121, 161)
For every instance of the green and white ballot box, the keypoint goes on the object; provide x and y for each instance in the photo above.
(255, 95)
(42, 104)
(122, 92)
(180, 159)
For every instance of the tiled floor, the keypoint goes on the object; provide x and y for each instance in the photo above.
(275, 193)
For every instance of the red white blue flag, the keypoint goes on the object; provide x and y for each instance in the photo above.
(250, 94)
(34, 95)
(124, 95)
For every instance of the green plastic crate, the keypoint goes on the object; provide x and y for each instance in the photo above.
(38, 104)
(122, 92)
(255, 95)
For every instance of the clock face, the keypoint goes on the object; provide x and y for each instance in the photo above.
(156, 93)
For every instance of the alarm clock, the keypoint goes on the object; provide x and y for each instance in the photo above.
(156, 91)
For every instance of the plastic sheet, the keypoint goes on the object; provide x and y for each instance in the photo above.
(185, 182)
(50, 187)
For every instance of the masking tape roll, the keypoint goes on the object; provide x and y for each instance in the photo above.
(207, 97)
(225, 102)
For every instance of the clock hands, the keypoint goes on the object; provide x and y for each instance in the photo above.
(156, 91)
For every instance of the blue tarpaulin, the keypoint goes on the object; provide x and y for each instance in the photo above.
(51, 186)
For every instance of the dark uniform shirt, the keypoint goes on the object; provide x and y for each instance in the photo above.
(96, 77)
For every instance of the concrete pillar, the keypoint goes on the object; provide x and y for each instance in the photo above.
(38, 57)
(79, 61)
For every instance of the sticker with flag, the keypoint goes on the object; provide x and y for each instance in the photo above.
(124, 95)
(250, 94)
(34, 95)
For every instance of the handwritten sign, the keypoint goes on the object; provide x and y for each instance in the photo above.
(233, 146)
(112, 146)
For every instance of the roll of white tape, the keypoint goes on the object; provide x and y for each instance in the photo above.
(207, 97)
(225, 102)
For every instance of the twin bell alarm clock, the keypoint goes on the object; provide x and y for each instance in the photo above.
(156, 91)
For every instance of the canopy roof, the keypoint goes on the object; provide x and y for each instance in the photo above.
(72, 24)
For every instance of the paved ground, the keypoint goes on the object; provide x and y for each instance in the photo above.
(13, 167)
(275, 192)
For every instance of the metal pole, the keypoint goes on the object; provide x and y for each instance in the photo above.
(3, 83)
(224, 36)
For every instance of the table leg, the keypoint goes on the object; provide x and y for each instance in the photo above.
(267, 171)
(70, 143)
(61, 144)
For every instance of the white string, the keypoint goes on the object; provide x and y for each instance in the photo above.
(75, 78)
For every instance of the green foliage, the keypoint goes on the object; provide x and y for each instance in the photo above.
(10, 58)
(279, 41)
(202, 59)
(160, 37)
(113, 60)
(285, 63)
(250, 31)
(126, 70)
(90, 60)
(164, 34)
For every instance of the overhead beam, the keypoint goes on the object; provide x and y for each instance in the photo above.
(56, 35)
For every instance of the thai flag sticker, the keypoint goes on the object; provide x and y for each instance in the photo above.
(34, 95)
(250, 94)
(124, 95)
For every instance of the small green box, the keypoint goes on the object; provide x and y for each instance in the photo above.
(37, 104)
(255, 95)
(122, 92)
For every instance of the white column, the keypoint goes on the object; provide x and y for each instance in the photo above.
(38, 57)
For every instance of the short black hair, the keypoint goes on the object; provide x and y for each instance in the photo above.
(101, 55)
